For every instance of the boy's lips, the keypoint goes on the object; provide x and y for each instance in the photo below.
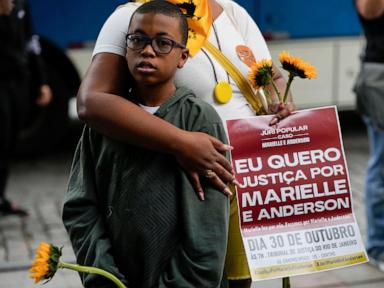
(146, 67)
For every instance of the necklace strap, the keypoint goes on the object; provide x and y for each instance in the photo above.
(219, 46)
(238, 77)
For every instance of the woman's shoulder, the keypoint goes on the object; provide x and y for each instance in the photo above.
(125, 10)
(128, 6)
(230, 6)
(235, 12)
(111, 38)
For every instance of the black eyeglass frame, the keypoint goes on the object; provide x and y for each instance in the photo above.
(149, 41)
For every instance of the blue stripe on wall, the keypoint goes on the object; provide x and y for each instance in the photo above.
(67, 21)
(70, 21)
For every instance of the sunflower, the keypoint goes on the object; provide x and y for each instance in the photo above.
(45, 263)
(261, 74)
(296, 66)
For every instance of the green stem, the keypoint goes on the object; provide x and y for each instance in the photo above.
(93, 270)
(290, 79)
(276, 89)
(267, 96)
(286, 282)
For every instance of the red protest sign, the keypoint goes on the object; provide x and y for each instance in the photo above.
(294, 197)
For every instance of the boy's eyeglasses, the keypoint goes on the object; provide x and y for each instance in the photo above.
(160, 45)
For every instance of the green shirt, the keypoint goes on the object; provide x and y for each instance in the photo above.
(133, 212)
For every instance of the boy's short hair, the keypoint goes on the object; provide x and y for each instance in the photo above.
(165, 8)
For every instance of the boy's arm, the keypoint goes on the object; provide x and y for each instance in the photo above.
(199, 261)
(84, 219)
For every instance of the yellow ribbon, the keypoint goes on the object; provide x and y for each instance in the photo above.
(199, 21)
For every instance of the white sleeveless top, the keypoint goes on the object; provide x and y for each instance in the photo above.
(233, 27)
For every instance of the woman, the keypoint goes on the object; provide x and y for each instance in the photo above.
(197, 153)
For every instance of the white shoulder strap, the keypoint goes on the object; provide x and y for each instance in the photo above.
(134, 4)
(228, 9)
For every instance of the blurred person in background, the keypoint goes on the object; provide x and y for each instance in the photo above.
(19, 56)
(370, 103)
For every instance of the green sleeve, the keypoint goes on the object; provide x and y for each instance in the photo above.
(83, 217)
(199, 261)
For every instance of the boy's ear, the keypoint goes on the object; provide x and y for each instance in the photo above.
(183, 58)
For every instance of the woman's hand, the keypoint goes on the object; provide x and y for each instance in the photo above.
(282, 111)
(201, 156)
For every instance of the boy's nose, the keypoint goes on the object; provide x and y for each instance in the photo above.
(148, 50)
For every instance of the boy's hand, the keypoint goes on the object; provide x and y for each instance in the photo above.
(201, 157)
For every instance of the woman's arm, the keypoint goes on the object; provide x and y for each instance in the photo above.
(370, 9)
(101, 108)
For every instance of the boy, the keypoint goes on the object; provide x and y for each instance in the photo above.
(132, 211)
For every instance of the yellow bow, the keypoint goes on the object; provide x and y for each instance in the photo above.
(199, 21)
